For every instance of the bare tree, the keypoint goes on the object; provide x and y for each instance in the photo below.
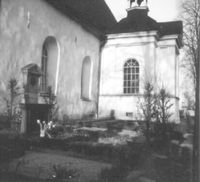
(191, 17)
(163, 106)
(148, 107)
(191, 35)
(10, 97)
(190, 103)
(14, 92)
(155, 109)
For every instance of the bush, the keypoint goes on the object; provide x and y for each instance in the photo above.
(125, 158)
(169, 170)
(114, 174)
(52, 143)
(85, 135)
(163, 133)
(63, 174)
(11, 146)
(129, 156)
(4, 121)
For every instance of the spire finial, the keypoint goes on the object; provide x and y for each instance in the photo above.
(138, 3)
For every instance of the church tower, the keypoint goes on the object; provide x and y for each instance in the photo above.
(137, 6)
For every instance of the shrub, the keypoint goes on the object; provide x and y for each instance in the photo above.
(163, 133)
(125, 158)
(11, 146)
(10, 99)
(129, 156)
(64, 174)
(148, 106)
(114, 174)
(4, 123)
(114, 126)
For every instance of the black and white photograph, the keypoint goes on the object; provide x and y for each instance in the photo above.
(99, 90)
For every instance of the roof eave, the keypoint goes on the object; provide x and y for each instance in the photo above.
(72, 14)
(133, 34)
(177, 37)
(85, 24)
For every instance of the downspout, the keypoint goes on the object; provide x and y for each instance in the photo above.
(102, 43)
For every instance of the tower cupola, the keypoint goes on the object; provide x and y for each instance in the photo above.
(137, 7)
(137, 3)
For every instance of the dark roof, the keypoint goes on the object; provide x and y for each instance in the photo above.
(169, 28)
(93, 13)
(138, 20)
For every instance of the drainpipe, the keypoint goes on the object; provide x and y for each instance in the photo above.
(102, 43)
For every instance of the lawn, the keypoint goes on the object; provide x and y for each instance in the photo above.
(10, 177)
(113, 151)
(41, 165)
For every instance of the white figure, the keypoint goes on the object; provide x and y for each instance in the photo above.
(42, 128)
(38, 121)
(40, 124)
(49, 128)
(45, 128)
(50, 125)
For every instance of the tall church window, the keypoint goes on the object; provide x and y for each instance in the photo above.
(49, 64)
(86, 78)
(131, 76)
(44, 68)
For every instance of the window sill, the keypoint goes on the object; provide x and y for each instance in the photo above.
(123, 95)
(131, 94)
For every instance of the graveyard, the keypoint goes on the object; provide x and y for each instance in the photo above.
(97, 151)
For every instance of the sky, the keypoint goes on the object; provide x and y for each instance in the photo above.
(160, 10)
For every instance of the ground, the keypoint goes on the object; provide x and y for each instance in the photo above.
(40, 164)
(91, 150)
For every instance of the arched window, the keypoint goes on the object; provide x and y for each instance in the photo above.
(49, 63)
(44, 68)
(131, 76)
(86, 78)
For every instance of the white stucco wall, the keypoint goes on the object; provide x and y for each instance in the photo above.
(158, 61)
(25, 24)
(168, 71)
(167, 66)
(117, 50)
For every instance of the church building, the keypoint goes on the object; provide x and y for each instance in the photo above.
(139, 50)
(76, 52)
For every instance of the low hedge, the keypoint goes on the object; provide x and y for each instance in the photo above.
(130, 155)
(11, 146)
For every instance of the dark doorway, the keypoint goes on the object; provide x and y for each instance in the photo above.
(35, 112)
